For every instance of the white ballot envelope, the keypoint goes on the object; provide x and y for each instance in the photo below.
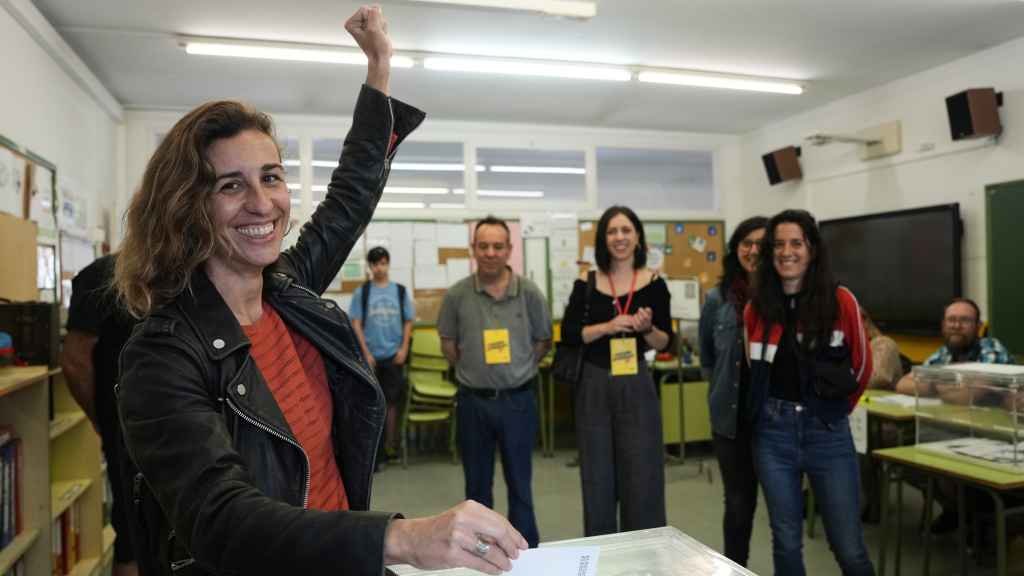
(568, 561)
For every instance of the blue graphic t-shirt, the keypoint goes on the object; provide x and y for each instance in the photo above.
(382, 324)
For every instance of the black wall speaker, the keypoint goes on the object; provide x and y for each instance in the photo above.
(974, 113)
(782, 165)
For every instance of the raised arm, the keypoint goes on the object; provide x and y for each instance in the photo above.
(379, 125)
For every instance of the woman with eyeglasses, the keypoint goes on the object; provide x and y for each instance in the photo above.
(809, 364)
(723, 364)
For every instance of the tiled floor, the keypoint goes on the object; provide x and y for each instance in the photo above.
(432, 484)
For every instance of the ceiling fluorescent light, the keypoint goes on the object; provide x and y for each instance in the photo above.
(527, 68)
(401, 205)
(431, 167)
(581, 9)
(293, 53)
(447, 205)
(415, 190)
(719, 81)
(511, 193)
(538, 169)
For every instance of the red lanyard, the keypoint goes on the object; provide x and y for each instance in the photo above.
(615, 297)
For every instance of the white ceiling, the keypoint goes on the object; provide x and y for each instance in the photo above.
(838, 47)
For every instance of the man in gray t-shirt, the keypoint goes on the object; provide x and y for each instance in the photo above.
(495, 328)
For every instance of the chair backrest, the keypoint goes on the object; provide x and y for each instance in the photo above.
(426, 342)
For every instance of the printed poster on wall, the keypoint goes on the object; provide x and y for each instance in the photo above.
(12, 173)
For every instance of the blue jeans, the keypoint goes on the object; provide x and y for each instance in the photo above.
(509, 422)
(788, 443)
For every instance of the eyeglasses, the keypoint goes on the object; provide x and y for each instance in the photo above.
(748, 244)
(960, 320)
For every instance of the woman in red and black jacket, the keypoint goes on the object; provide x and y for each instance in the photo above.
(809, 364)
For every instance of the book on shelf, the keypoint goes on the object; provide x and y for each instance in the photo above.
(10, 486)
(66, 534)
(17, 570)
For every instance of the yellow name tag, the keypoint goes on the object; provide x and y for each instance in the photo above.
(624, 357)
(497, 349)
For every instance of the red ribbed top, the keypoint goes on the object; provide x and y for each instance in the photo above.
(295, 373)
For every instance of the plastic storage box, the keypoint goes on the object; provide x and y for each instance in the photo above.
(972, 412)
(655, 552)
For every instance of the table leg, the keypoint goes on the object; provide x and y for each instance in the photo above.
(542, 409)
(551, 419)
(883, 542)
(961, 509)
(682, 413)
(899, 526)
(1000, 511)
(929, 499)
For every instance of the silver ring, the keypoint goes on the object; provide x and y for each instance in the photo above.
(482, 548)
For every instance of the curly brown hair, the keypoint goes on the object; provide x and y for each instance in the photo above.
(169, 229)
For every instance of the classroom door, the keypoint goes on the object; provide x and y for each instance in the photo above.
(1004, 211)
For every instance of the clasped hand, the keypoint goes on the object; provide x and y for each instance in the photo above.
(639, 322)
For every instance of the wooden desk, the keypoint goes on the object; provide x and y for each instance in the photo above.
(994, 482)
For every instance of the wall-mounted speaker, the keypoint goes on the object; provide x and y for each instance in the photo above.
(974, 113)
(782, 165)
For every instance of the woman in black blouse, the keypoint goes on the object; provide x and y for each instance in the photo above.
(618, 416)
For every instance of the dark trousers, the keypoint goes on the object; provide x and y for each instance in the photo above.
(618, 432)
(789, 442)
(736, 463)
(510, 423)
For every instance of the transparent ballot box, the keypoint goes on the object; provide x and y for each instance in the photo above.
(655, 552)
(972, 412)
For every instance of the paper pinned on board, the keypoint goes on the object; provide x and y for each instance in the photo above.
(431, 277)
(458, 268)
(685, 299)
(655, 234)
(452, 236)
(426, 253)
(556, 561)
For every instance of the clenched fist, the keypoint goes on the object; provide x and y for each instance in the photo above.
(370, 30)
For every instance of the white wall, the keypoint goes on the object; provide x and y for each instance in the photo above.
(44, 109)
(930, 170)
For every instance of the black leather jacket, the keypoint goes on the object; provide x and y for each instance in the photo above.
(203, 427)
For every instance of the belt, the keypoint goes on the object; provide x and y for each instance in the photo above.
(495, 393)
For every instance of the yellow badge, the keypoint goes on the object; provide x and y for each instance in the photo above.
(624, 357)
(497, 349)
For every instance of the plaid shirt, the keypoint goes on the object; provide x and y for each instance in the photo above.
(985, 350)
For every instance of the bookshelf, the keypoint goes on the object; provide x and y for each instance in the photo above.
(60, 469)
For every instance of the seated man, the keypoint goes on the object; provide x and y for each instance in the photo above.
(960, 323)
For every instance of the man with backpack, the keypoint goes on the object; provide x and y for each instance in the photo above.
(382, 313)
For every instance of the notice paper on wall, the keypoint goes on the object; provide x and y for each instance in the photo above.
(431, 277)
(11, 173)
(685, 298)
(401, 276)
(424, 231)
(457, 269)
(556, 561)
(453, 235)
(426, 253)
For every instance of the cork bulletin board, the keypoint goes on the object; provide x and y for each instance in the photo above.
(688, 249)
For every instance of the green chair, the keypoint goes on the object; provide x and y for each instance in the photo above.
(431, 395)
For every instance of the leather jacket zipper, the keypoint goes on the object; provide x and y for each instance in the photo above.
(388, 149)
(272, 432)
(358, 367)
(179, 564)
